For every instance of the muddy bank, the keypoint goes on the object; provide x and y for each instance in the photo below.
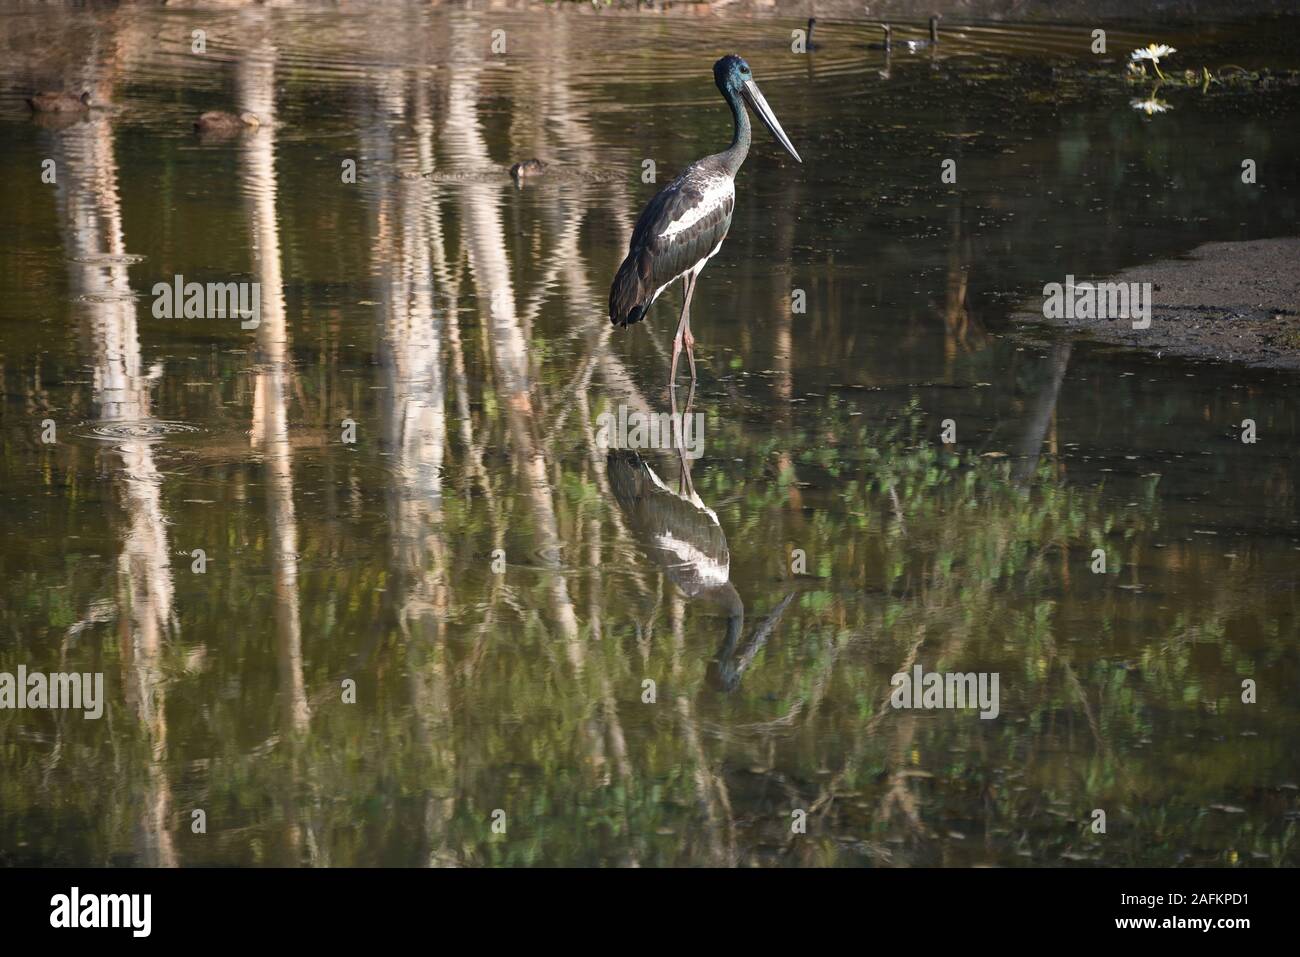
(1236, 302)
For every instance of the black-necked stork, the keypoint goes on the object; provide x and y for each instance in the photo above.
(682, 535)
(679, 532)
(810, 44)
(914, 45)
(887, 43)
(683, 227)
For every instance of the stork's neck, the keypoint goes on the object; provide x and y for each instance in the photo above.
(735, 154)
(727, 668)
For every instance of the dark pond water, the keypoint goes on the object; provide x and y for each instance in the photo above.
(490, 579)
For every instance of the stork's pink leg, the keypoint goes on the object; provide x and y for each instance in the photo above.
(687, 338)
(683, 333)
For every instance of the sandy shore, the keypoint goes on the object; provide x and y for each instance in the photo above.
(1235, 302)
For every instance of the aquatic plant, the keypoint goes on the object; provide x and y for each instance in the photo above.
(1153, 52)
(1151, 105)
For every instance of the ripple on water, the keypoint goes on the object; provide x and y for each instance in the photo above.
(109, 259)
(146, 430)
(106, 297)
(551, 558)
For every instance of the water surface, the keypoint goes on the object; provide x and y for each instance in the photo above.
(468, 562)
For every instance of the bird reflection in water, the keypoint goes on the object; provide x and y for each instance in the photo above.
(682, 535)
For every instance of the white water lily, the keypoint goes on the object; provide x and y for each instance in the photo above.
(1150, 105)
(1153, 52)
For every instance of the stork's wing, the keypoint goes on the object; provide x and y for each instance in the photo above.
(682, 225)
(681, 537)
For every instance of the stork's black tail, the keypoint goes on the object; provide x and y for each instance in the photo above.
(628, 297)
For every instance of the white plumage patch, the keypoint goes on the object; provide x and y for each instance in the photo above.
(707, 569)
(699, 266)
(716, 192)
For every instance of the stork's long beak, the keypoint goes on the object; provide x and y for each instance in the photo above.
(756, 101)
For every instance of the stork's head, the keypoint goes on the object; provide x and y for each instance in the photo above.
(734, 78)
(730, 73)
